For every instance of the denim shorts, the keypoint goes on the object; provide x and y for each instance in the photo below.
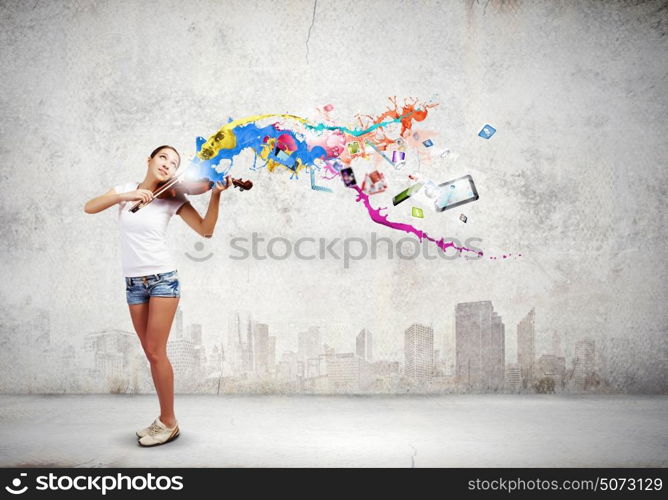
(140, 289)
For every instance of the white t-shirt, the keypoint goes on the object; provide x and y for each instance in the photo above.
(143, 247)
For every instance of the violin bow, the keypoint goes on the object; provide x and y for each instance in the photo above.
(165, 187)
(242, 185)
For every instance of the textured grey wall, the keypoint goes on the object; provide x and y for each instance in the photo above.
(574, 179)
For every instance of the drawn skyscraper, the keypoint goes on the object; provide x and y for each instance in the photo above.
(196, 333)
(261, 348)
(526, 354)
(237, 338)
(271, 354)
(310, 343)
(419, 352)
(479, 346)
(497, 354)
(513, 381)
(249, 358)
(364, 345)
(184, 356)
(583, 364)
(200, 351)
(177, 326)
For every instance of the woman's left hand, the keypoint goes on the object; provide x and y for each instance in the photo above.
(219, 186)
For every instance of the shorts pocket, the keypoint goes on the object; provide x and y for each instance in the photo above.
(167, 286)
(169, 278)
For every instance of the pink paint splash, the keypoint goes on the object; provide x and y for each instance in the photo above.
(330, 172)
(378, 218)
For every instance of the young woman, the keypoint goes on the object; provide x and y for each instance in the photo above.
(152, 285)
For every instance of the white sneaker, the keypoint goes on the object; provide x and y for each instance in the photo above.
(146, 430)
(158, 433)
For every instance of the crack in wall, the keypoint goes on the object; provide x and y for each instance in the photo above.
(308, 37)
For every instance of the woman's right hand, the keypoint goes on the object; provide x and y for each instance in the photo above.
(144, 195)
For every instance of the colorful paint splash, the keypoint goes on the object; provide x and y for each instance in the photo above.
(296, 144)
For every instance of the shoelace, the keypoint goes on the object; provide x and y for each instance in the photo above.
(154, 428)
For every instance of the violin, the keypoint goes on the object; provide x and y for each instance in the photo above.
(178, 186)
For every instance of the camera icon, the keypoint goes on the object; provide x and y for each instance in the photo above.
(16, 483)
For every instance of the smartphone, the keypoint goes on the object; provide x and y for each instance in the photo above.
(348, 176)
(455, 193)
(406, 193)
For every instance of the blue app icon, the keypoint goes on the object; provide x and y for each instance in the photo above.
(487, 131)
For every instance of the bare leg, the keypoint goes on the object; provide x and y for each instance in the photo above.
(139, 315)
(160, 317)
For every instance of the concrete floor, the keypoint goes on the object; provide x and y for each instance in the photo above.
(339, 431)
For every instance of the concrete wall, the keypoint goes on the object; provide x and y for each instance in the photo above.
(574, 179)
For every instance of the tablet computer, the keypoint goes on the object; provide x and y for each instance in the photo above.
(455, 193)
